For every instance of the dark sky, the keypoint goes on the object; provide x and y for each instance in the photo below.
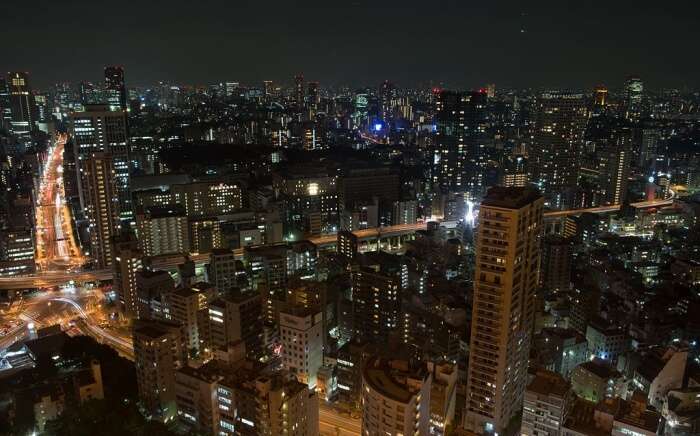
(463, 43)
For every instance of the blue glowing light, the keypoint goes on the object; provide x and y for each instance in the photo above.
(377, 127)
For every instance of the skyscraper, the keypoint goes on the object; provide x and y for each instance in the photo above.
(114, 87)
(458, 155)
(505, 280)
(99, 129)
(634, 93)
(101, 205)
(299, 91)
(22, 105)
(127, 262)
(561, 118)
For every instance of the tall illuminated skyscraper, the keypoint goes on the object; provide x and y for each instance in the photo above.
(115, 88)
(561, 120)
(457, 159)
(505, 280)
(634, 93)
(101, 205)
(99, 129)
(22, 105)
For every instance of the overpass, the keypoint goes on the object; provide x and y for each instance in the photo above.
(54, 278)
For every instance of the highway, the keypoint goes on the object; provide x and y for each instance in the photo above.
(56, 247)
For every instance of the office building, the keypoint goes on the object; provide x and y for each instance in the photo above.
(17, 251)
(22, 105)
(395, 397)
(634, 98)
(99, 129)
(101, 205)
(115, 89)
(546, 405)
(505, 281)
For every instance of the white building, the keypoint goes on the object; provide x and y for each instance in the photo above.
(301, 331)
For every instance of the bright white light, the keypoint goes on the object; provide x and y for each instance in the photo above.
(470, 215)
(312, 188)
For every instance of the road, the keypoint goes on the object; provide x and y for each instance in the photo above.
(332, 423)
(44, 309)
(56, 247)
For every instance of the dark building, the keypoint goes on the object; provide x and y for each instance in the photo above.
(22, 105)
(115, 89)
(557, 259)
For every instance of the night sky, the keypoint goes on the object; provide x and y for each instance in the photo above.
(357, 42)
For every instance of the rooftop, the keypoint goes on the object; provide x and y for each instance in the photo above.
(390, 377)
(549, 383)
(510, 198)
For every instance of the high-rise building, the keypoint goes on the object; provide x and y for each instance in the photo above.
(99, 129)
(313, 96)
(275, 405)
(301, 331)
(189, 306)
(600, 97)
(458, 155)
(98, 191)
(114, 87)
(376, 281)
(634, 96)
(127, 262)
(222, 270)
(546, 405)
(5, 104)
(159, 350)
(505, 281)
(556, 146)
(22, 106)
(299, 90)
(268, 275)
(163, 230)
(151, 287)
(16, 251)
(557, 263)
(395, 397)
(237, 317)
(387, 93)
(347, 244)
